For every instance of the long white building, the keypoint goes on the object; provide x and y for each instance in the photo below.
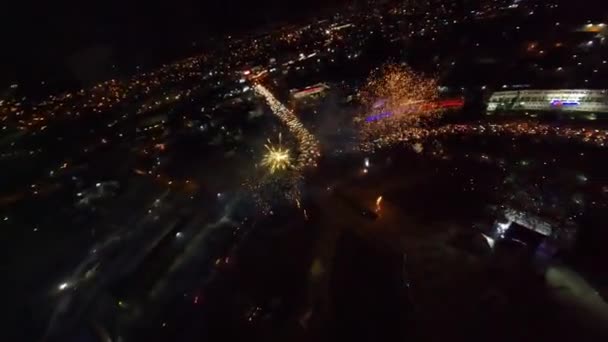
(585, 102)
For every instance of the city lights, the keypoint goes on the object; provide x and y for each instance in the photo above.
(596, 137)
(398, 143)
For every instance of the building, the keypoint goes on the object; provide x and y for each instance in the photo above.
(541, 235)
(312, 91)
(583, 103)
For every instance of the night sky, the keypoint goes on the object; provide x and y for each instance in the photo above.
(69, 41)
(51, 38)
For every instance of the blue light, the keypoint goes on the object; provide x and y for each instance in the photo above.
(567, 103)
(378, 117)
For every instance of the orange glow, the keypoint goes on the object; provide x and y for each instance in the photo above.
(378, 204)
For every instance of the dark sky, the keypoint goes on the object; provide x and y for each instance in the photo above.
(48, 36)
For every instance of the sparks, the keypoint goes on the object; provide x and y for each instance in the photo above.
(397, 91)
(378, 203)
(394, 99)
(277, 158)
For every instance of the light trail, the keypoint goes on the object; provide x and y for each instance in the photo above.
(409, 134)
(407, 102)
(378, 204)
(285, 185)
(308, 146)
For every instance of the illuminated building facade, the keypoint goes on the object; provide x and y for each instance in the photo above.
(579, 102)
(314, 90)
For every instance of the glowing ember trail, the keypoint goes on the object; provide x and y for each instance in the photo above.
(378, 204)
(413, 135)
(307, 144)
(275, 186)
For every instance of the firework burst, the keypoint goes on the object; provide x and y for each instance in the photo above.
(307, 145)
(395, 101)
(283, 183)
(400, 105)
(398, 91)
(277, 157)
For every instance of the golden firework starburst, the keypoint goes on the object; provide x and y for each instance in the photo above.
(277, 158)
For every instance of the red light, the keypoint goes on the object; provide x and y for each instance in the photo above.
(451, 103)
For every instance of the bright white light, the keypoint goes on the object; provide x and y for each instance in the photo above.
(366, 162)
(489, 240)
(98, 185)
(501, 228)
(246, 88)
(179, 235)
(63, 286)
